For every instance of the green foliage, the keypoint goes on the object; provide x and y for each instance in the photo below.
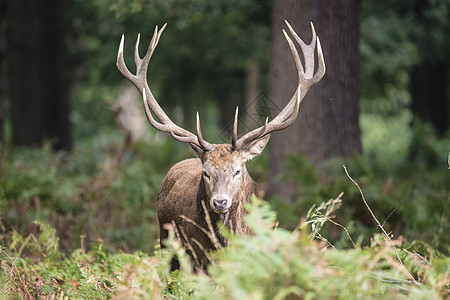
(87, 192)
(395, 37)
(201, 59)
(404, 173)
(271, 264)
(84, 275)
(387, 55)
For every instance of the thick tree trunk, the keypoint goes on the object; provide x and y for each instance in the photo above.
(327, 125)
(38, 91)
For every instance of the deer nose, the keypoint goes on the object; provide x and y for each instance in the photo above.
(220, 204)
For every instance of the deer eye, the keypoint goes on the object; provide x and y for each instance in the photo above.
(206, 175)
(238, 172)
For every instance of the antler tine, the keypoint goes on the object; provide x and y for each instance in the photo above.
(307, 78)
(163, 122)
(121, 62)
(137, 58)
(298, 62)
(254, 134)
(151, 47)
(235, 125)
(321, 67)
(307, 50)
(204, 144)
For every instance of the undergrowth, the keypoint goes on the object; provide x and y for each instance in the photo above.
(406, 178)
(271, 264)
(96, 191)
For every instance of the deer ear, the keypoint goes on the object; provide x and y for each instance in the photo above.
(254, 148)
(198, 151)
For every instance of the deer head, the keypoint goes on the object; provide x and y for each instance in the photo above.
(224, 175)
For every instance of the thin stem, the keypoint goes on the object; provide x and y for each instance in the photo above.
(381, 227)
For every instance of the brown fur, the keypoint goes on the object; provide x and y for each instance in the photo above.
(181, 194)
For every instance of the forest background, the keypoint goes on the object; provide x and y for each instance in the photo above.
(80, 168)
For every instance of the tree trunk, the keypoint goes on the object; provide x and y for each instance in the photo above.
(429, 93)
(3, 14)
(38, 91)
(327, 125)
(252, 93)
(430, 78)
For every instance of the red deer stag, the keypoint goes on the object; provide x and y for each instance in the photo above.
(198, 193)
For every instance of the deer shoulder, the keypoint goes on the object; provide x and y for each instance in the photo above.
(176, 192)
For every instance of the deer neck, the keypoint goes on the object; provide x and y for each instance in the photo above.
(233, 218)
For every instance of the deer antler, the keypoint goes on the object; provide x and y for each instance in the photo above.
(164, 124)
(306, 77)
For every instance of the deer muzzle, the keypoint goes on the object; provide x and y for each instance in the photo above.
(220, 203)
